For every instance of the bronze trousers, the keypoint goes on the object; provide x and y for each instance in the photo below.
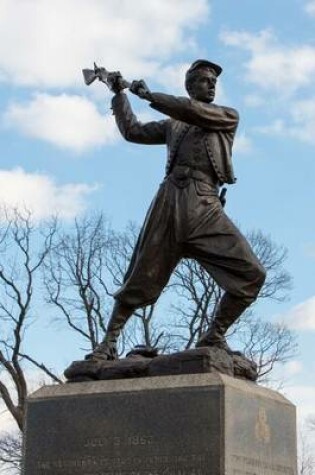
(186, 219)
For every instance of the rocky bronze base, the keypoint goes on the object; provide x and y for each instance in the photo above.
(199, 360)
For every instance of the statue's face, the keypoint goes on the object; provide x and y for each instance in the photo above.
(203, 86)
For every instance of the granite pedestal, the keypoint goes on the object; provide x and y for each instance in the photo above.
(199, 424)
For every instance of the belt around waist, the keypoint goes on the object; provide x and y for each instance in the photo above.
(181, 173)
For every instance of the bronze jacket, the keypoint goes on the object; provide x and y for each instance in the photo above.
(219, 124)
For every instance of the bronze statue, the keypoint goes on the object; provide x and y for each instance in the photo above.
(186, 217)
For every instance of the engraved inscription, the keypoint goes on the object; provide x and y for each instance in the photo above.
(260, 464)
(109, 441)
(163, 464)
(152, 471)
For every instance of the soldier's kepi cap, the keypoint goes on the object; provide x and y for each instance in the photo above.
(204, 64)
(201, 64)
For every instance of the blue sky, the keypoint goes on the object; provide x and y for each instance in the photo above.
(60, 151)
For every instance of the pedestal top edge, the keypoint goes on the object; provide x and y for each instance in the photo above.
(154, 383)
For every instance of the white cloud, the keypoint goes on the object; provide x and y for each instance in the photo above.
(310, 7)
(292, 368)
(281, 71)
(7, 423)
(303, 396)
(35, 379)
(55, 40)
(272, 66)
(71, 122)
(220, 94)
(41, 195)
(173, 78)
(302, 316)
(303, 118)
(299, 123)
(242, 144)
(277, 127)
(286, 374)
(254, 100)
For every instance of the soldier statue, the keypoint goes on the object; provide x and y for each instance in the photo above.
(186, 218)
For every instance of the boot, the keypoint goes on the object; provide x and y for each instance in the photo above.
(229, 311)
(215, 337)
(107, 350)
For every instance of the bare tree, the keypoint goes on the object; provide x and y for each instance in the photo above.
(265, 343)
(24, 246)
(273, 256)
(197, 298)
(23, 249)
(311, 423)
(11, 453)
(306, 455)
(74, 277)
(85, 267)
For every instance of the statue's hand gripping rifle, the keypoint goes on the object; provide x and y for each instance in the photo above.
(114, 81)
